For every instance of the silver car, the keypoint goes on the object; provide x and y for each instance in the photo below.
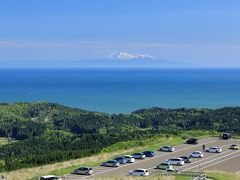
(167, 149)
(84, 171)
(139, 155)
(111, 163)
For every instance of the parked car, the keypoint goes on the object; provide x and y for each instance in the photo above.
(139, 156)
(186, 159)
(164, 166)
(170, 171)
(214, 149)
(111, 163)
(121, 160)
(196, 154)
(167, 149)
(192, 141)
(175, 161)
(139, 172)
(226, 136)
(149, 153)
(50, 177)
(129, 158)
(234, 147)
(84, 171)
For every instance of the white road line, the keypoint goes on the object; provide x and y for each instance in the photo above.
(151, 158)
(238, 172)
(219, 162)
(201, 159)
(210, 161)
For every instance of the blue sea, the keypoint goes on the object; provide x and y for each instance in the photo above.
(123, 90)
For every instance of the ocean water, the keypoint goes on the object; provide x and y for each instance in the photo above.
(123, 90)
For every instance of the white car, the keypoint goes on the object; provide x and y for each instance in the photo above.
(84, 171)
(214, 149)
(111, 163)
(129, 158)
(167, 149)
(175, 161)
(50, 177)
(139, 172)
(196, 154)
(139, 155)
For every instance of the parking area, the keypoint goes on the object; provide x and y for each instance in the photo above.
(228, 160)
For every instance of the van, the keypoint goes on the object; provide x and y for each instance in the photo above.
(175, 161)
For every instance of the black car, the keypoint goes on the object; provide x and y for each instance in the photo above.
(192, 141)
(226, 136)
(186, 159)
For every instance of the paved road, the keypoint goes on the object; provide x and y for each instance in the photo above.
(228, 160)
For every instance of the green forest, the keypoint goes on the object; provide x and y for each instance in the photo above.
(45, 133)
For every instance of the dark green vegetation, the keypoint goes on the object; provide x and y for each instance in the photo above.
(49, 133)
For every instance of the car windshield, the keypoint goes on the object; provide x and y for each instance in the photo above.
(164, 164)
(82, 169)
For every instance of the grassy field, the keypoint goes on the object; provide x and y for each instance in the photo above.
(218, 175)
(4, 141)
(127, 147)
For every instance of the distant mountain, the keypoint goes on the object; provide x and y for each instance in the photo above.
(128, 56)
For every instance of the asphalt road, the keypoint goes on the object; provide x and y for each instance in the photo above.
(228, 160)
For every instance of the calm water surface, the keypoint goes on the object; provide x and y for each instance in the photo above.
(123, 90)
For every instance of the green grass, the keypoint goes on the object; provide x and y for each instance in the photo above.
(138, 145)
(183, 178)
(223, 176)
(133, 146)
(4, 141)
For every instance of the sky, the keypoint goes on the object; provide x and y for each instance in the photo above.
(75, 33)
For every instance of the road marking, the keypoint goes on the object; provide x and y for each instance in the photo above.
(238, 172)
(202, 159)
(150, 158)
(220, 161)
(211, 161)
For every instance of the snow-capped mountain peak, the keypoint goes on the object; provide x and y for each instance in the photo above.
(129, 56)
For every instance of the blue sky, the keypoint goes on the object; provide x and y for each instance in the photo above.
(65, 33)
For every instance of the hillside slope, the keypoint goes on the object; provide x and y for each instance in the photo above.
(49, 132)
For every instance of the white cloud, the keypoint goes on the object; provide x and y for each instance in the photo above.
(47, 44)
(159, 45)
(78, 44)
